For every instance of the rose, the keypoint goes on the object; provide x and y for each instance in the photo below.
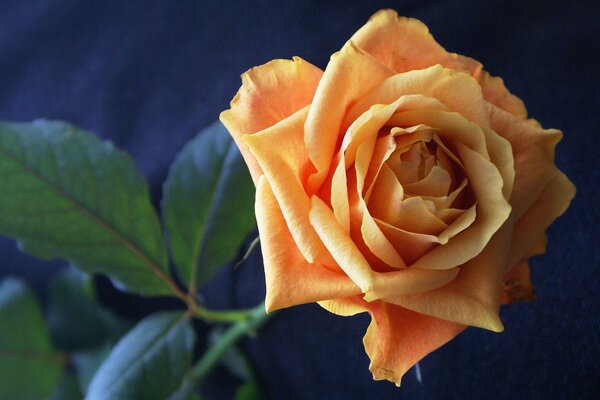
(403, 181)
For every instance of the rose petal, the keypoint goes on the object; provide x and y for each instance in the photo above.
(269, 94)
(405, 170)
(517, 284)
(398, 338)
(436, 184)
(493, 88)
(411, 246)
(280, 152)
(353, 262)
(362, 133)
(378, 243)
(372, 236)
(449, 215)
(290, 280)
(412, 215)
(444, 202)
(412, 134)
(387, 192)
(457, 91)
(407, 159)
(444, 161)
(451, 127)
(408, 280)
(533, 150)
(358, 149)
(367, 236)
(444, 152)
(539, 247)
(403, 44)
(461, 223)
(343, 82)
(383, 148)
(552, 202)
(492, 211)
(340, 245)
(344, 307)
(501, 154)
(339, 195)
(472, 298)
(365, 149)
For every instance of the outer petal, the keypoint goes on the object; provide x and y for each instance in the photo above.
(552, 202)
(281, 154)
(457, 91)
(473, 297)
(290, 280)
(344, 307)
(493, 88)
(349, 75)
(517, 284)
(398, 338)
(539, 247)
(501, 154)
(403, 44)
(533, 150)
(269, 94)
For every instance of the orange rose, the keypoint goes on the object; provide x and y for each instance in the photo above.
(403, 181)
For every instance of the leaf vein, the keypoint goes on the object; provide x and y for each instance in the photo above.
(70, 199)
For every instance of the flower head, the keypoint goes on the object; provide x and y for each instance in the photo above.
(403, 181)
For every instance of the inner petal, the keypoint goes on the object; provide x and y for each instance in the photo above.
(449, 215)
(369, 232)
(444, 161)
(384, 146)
(406, 170)
(387, 191)
(436, 183)
(411, 246)
(454, 199)
(413, 214)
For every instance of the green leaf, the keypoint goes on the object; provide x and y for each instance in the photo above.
(208, 204)
(67, 194)
(149, 362)
(70, 304)
(87, 364)
(29, 368)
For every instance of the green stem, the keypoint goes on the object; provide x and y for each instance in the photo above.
(256, 317)
(215, 316)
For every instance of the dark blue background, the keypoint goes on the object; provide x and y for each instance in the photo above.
(147, 75)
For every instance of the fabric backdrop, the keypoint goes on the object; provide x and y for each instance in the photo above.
(149, 74)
